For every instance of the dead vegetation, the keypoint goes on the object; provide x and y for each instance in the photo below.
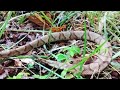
(21, 27)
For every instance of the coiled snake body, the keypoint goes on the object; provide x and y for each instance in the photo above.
(98, 65)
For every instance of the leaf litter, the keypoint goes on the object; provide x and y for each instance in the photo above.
(37, 22)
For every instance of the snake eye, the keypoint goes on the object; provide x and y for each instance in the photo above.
(71, 62)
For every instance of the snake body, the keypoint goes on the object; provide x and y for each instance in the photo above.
(104, 56)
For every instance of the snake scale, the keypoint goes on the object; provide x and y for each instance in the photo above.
(104, 56)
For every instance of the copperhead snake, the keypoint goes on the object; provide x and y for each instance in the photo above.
(97, 66)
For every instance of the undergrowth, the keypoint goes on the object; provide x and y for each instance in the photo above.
(105, 23)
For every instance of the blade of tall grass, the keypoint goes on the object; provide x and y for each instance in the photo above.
(50, 70)
(116, 55)
(2, 28)
(90, 17)
(47, 18)
(85, 39)
(105, 31)
(117, 38)
(67, 18)
(58, 17)
(84, 49)
(85, 44)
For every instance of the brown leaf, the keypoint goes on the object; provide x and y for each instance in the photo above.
(37, 19)
(58, 29)
(18, 63)
(40, 18)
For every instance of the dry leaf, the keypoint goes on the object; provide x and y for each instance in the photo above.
(58, 29)
(40, 18)
(18, 63)
(3, 75)
(37, 19)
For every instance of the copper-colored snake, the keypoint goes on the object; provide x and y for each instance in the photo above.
(104, 57)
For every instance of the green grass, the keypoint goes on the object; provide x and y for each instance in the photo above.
(85, 39)
(64, 17)
(47, 18)
(3, 27)
(110, 29)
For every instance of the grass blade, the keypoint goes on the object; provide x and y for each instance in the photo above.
(67, 18)
(50, 70)
(2, 29)
(85, 39)
(116, 55)
(47, 18)
(105, 32)
(58, 17)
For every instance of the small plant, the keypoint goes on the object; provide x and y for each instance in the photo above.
(60, 57)
(71, 51)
